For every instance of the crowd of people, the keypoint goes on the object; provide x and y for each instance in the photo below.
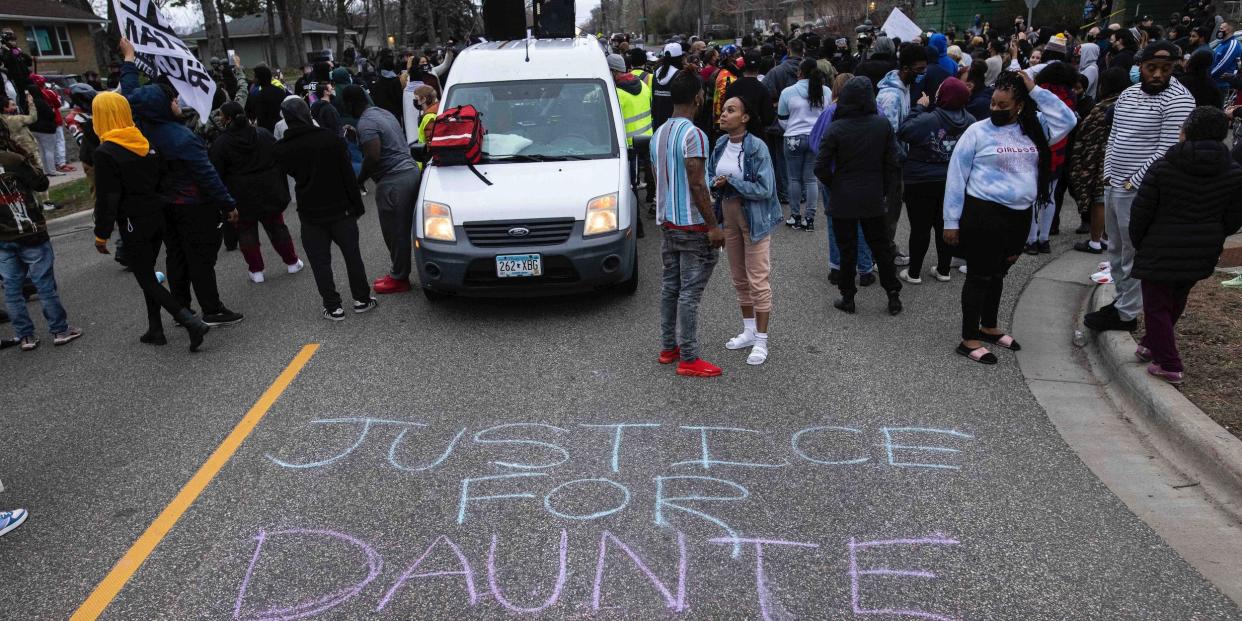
(162, 176)
(978, 140)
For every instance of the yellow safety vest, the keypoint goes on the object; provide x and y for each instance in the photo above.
(636, 110)
(643, 75)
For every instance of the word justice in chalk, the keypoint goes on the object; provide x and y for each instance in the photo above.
(619, 569)
(524, 446)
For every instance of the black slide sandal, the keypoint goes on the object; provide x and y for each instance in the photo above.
(986, 357)
(999, 339)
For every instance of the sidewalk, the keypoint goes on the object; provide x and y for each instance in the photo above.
(1158, 456)
(67, 177)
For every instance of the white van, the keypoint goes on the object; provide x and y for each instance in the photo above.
(560, 216)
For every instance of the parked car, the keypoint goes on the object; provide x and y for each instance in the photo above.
(60, 83)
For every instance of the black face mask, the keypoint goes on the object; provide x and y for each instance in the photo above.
(1221, 35)
(1001, 118)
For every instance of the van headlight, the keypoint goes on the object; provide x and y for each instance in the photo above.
(601, 215)
(438, 222)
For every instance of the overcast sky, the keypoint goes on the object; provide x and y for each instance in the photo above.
(189, 19)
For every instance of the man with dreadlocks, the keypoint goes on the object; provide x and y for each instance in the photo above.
(999, 168)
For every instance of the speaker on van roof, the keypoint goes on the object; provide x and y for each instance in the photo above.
(504, 20)
(554, 18)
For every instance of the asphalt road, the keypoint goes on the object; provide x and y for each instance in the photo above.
(492, 480)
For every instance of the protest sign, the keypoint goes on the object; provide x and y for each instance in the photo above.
(159, 51)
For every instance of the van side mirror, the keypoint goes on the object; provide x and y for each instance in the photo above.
(419, 152)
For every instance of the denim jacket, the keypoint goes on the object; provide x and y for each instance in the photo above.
(757, 189)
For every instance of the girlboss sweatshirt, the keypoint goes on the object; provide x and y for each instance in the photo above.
(1001, 164)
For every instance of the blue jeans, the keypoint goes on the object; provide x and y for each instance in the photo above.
(865, 262)
(688, 263)
(800, 165)
(18, 262)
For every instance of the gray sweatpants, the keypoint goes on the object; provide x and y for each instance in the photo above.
(395, 198)
(1121, 251)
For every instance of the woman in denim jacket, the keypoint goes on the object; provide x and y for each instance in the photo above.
(744, 187)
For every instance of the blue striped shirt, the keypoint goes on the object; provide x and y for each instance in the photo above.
(673, 143)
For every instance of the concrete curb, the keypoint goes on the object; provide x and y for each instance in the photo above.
(1200, 445)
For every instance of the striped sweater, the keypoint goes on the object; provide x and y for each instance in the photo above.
(1144, 127)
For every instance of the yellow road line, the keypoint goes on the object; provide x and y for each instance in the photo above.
(124, 569)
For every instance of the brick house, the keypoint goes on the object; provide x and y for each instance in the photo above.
(57, 35)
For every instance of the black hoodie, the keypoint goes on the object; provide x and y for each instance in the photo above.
(317, 160)
(243, 155)
(1189, 202)
(858, 156)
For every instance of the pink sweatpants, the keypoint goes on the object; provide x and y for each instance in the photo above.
(750, 263)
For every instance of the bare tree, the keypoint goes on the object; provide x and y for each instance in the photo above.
(341, 18)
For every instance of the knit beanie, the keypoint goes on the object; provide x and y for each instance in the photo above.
(1057, 43)
(953, 94)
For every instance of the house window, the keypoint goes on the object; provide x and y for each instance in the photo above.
(929, 2)
(48, 41)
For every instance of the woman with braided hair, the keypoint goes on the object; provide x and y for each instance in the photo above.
(1000, 167)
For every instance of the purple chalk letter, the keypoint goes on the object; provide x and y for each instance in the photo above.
(556, 589)
(761, 583)
(315, 606)
(856, 574)
(677, 604)
(409, 573)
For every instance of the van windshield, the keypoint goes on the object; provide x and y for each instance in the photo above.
(541, 120)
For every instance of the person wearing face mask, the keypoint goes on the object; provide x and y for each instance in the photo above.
(1147, 119)
(894, 104)
(1225, 56)
(999, 168)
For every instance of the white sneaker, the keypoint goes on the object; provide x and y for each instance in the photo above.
(962, 269)
(938, 276)
(296, 267)
(1102, 278)
(49, 206)
(905, 275)
(901, 260)
(957, 262)
(758, 353)
(790, 221)
(256, 277)
(741, 341)
(1104, 266)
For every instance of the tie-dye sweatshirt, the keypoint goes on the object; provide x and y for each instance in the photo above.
(1001, 164)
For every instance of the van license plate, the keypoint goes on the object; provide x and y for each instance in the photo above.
(519, 265)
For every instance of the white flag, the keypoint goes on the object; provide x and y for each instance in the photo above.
(160, 52)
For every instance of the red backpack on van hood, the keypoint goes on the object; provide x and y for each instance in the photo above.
(457, 139)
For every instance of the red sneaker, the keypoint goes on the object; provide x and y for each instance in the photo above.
(388, 284)
(669, 356)
(698, 368)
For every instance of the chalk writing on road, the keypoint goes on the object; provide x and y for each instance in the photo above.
(710, 477)
(672, 590)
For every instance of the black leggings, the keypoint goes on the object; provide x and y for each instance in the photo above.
(925, 208)
(143, 237)
(991, 239)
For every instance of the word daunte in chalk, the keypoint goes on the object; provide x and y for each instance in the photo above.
(615, 558)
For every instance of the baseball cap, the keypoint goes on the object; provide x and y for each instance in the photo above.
(673, 50)
(1162, 50)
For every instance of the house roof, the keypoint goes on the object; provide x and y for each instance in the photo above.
(46, 10)
(256, 26)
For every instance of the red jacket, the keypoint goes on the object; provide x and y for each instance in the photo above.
(49, 96)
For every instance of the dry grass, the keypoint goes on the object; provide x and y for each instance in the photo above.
(1209, 336)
